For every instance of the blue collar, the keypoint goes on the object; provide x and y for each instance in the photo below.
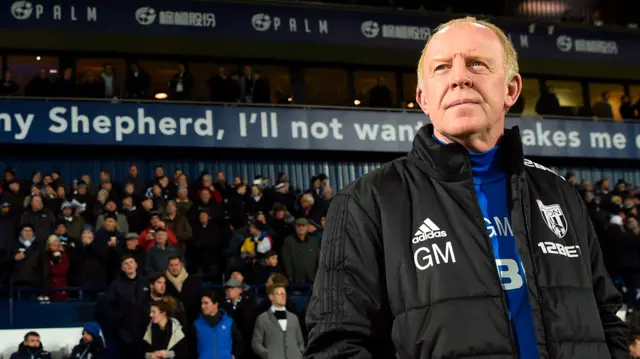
(485, 166)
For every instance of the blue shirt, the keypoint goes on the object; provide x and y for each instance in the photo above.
(490, 183)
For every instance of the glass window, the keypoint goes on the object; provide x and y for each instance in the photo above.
(26, 67)
(409, 83)
(326, 87)
(530, 94)
(96, 65)
(365, 81)
(278, 77)
(569, 93)
(202, 72)
(616, 91)
(160, 74)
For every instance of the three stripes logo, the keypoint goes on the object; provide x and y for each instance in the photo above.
(428, 230)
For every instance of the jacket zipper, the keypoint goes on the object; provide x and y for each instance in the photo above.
(533, 265)
(503, 296)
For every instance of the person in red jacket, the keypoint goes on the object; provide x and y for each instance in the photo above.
(58, 262)
(147, 239)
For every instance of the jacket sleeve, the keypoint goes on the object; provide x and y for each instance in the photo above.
(257, 341)
(348, 314)
(607, 296)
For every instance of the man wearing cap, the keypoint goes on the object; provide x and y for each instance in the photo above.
(74, 222)
(240, 309)
(111, 208)
(300, 254)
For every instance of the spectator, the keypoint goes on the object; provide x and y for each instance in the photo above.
(627, 109)
(267, 267)
(26, 259)
(300, 254)
(91, 344)
(241, 310)
(265, 305)
(90, 262)
(126, 304)
(380, 95)
(182, 84)
(158, 291)
(42, 220)
(137, 84)
(602, 108)
(65, 85)
(58, 261)
(277, 332)
(182, 201)
(72, 220)
(548, 103)
(31, 348)
(258, 202)
(110, 84)
(40, 86)
(186, 288)
(111, 208)
(215, 323)
(131, 248)
(257, 244)
(178, 224)
(136, 218)
(158, 255)
(245, 84)
(147, 237)
(248, 293)
(205, 247)
(261, 89)
(164, 337)
(219, 86)
(91, 87)
(236, 207)
(8, 87)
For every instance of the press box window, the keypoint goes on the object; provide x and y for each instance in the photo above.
(25, 67)
(96, 65)
(365, 81)
(324, 86)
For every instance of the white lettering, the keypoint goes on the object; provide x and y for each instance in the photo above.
(292, 25)
(560, 249)
(24, 124)
(167, 125)
(324, 26)
(423, 259)
(77, 120)
(366, 132)
(204, 126)
(54, 115)
(92, 14)
(509, 269)
(124, 126)
(319, 130)
(101, 124)
(336, 126)
(57, 12)
(299, 129)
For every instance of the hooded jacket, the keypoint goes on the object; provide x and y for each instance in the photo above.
(407, 266)
(93, 350)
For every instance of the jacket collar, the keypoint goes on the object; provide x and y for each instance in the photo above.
(450, 163)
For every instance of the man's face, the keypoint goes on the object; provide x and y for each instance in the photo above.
(36, 203)
(127, 202)
(129, 266)
(278, 297)
(161, 238)
(110, 206)
(27, 233)
(110, 224)
(220, 177)
(204, 218)
(301, 230)
(32, 341)
(154, 221)
(159, 287)
(463, 87)
(233, 293)
(133, 171)
(208, 307)
(272, 261)
(87, 338)
(175, 267)
(131, 244)
(147, 204)
(205, 196)
(171, 208)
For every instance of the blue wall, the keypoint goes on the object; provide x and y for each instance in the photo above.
(300, 172)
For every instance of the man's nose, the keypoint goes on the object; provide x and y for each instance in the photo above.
(460, 74)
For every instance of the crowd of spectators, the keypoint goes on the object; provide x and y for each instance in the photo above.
(154, 246)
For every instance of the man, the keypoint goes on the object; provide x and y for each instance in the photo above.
(185, 287)
(31, 348)
(91, 344)
(411, 251)
(277, 332)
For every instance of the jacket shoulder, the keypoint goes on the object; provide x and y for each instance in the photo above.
(541, 173)
(376, 181)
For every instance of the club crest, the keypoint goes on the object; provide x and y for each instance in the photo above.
(554, 218)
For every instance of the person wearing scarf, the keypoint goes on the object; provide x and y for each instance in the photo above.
(184, 287)
(164, 337)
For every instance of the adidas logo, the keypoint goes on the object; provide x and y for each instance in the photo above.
(428, 230)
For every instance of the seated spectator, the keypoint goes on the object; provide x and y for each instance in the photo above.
(126, 304)
(277, 332)
(111, 208)
(242, 311)
(27, 259)
(90, 262)
(215, 323)
(187, 288)
(267, 267)
(164, 337)
(300, 254)
(58, 261)
(257, 244)
(131, 248)
(205, 247)
(178, 224)
(158, 255)
(91, 344)
(31, 348)
(147, 239)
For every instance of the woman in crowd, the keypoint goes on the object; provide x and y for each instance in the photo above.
(164, 337)
(58, 262)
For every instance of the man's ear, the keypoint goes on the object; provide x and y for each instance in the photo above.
(421, 99)
(514, 88)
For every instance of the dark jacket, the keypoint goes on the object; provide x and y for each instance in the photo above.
(382, 288)
(127, 307)
(190, 296)
(33, 269)
(93, 350)
(25, 352)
